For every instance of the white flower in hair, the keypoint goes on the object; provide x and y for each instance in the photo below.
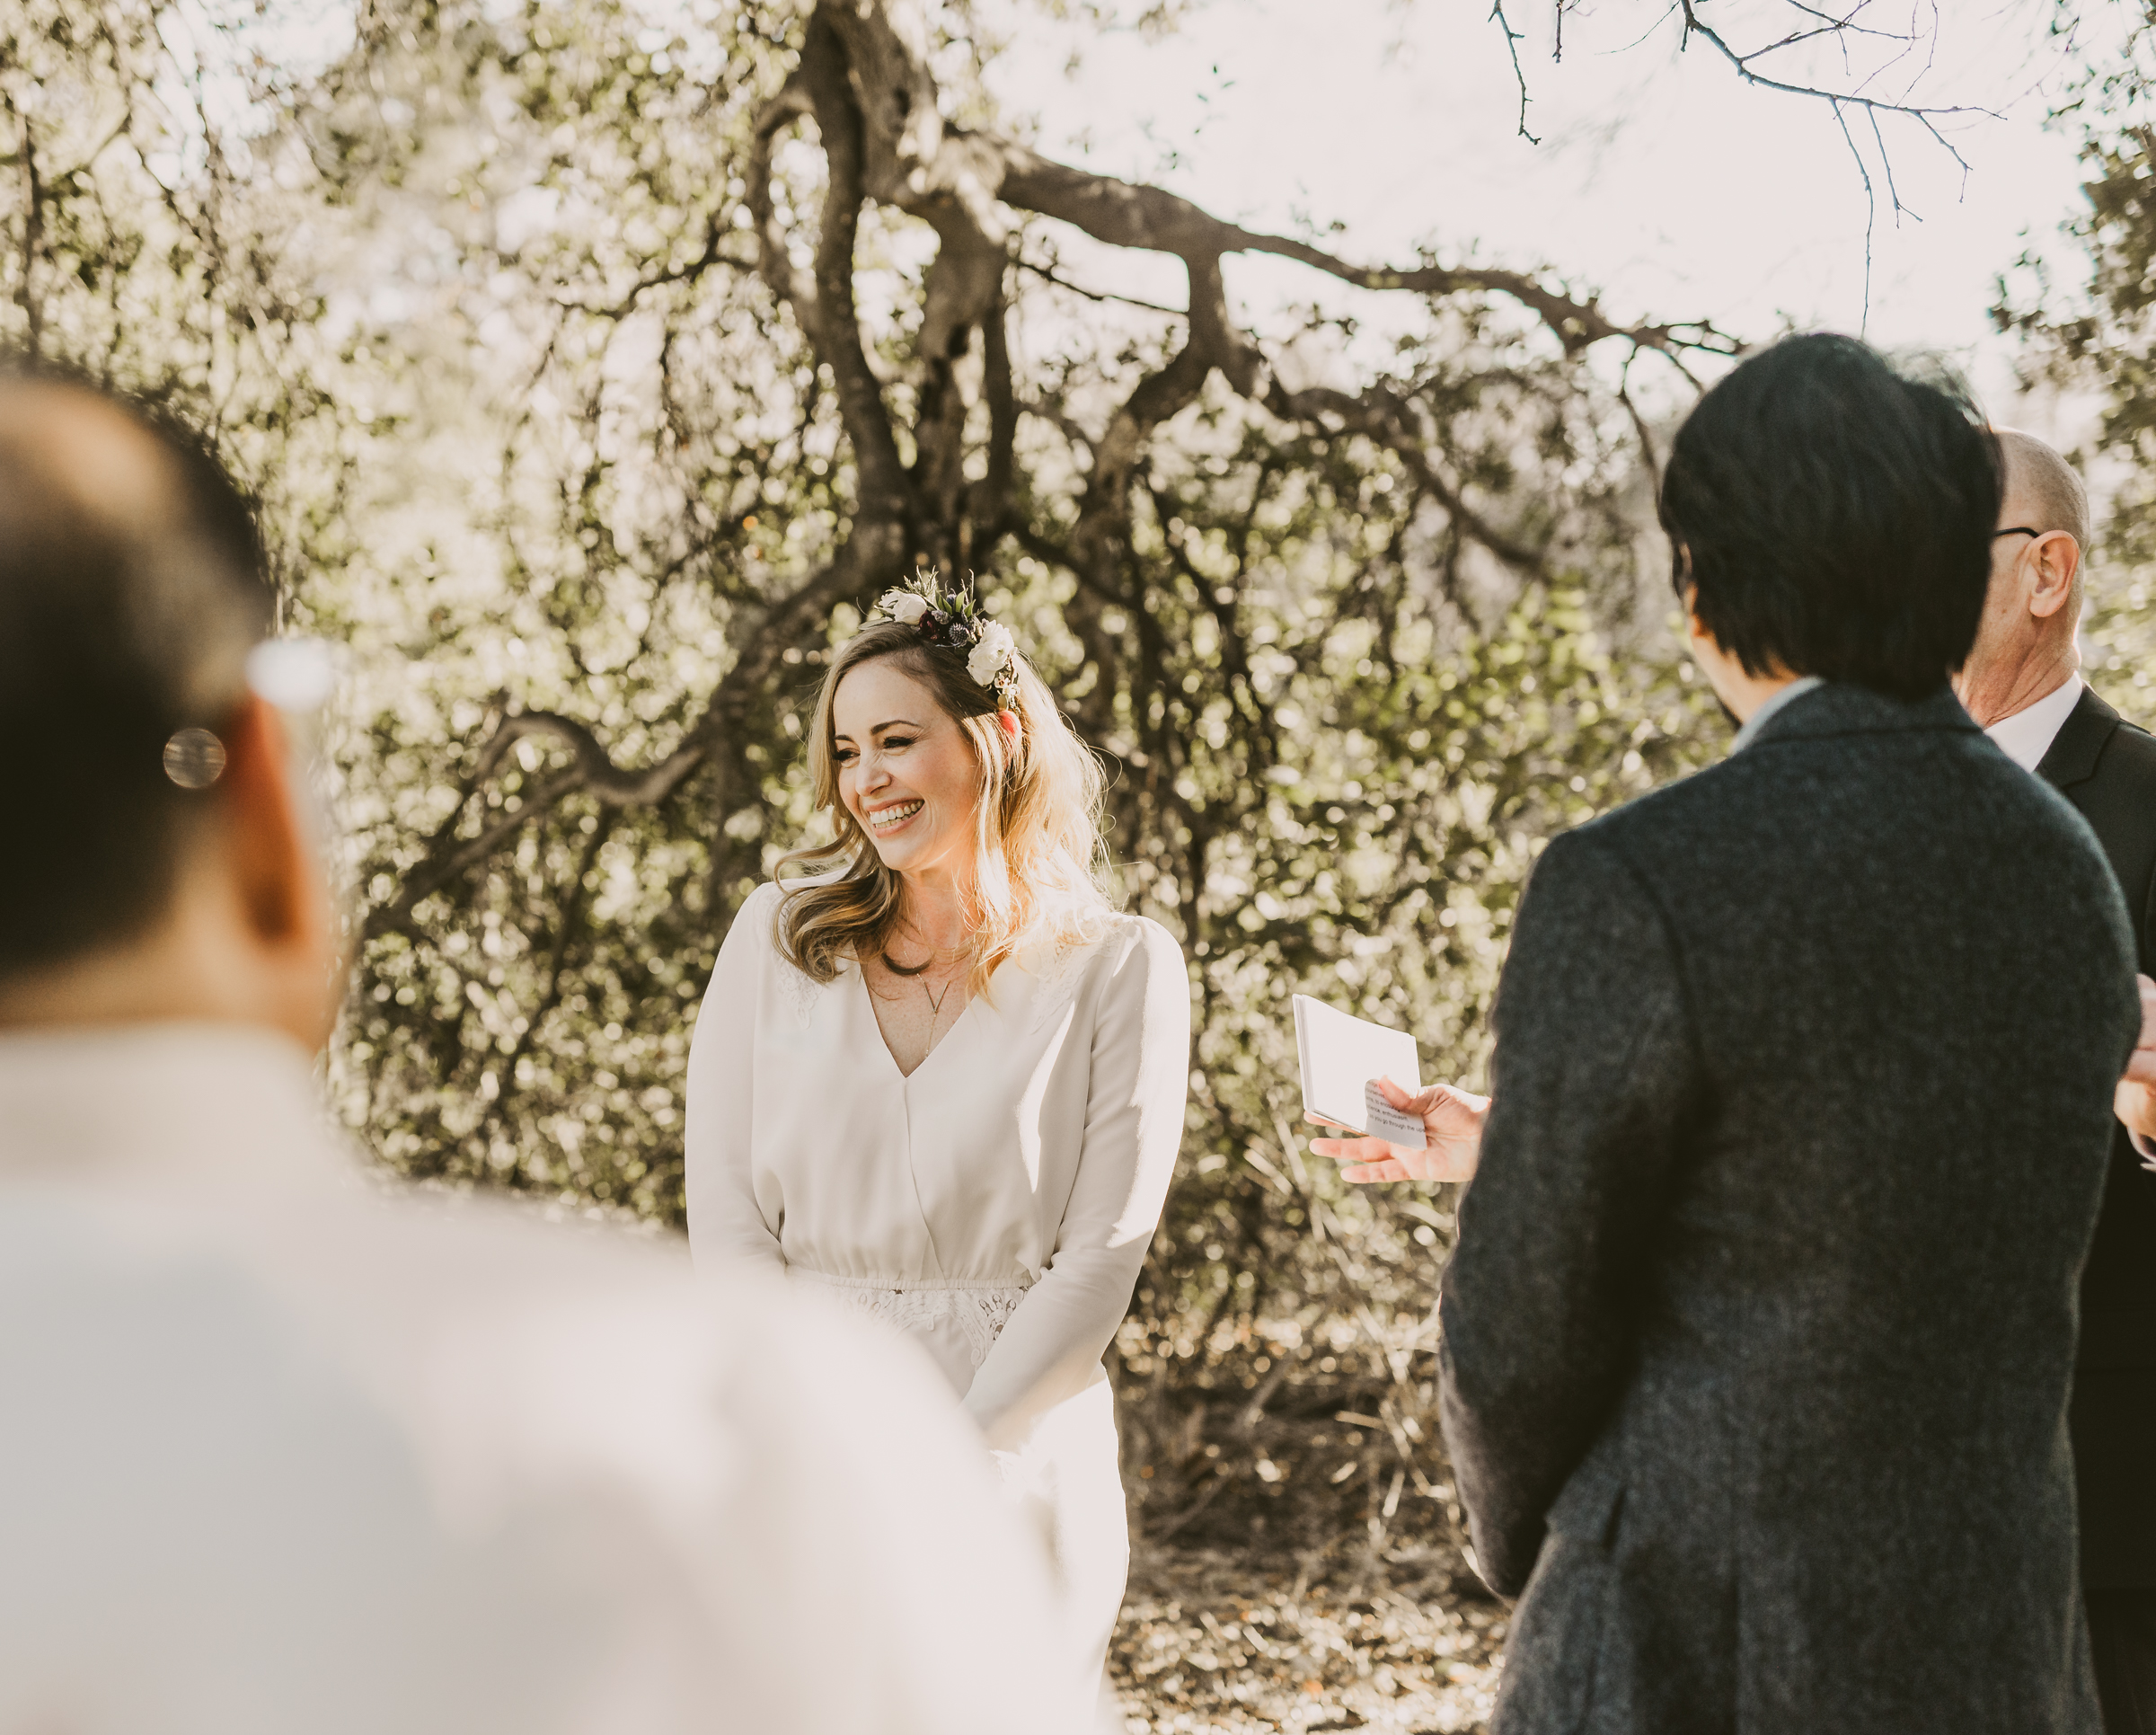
(993, 652)
(952, 620)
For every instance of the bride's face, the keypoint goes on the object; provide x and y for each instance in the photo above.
(906, 771)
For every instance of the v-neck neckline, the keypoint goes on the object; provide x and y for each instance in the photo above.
(935, 1048)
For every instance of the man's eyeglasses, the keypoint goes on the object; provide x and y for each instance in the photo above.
(2017, 530)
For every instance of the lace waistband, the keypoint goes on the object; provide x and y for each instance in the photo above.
(905, 1285)
(979, 1307)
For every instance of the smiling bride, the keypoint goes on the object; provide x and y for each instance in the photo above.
(943, 1077)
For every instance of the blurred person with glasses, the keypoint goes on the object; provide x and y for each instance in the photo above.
(2022, 682)
(281, 1451)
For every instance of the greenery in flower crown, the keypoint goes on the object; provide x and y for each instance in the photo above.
(952, 620)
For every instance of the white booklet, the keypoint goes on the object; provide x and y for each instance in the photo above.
(1342, 1058)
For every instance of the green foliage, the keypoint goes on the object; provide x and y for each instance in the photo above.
(480, 308)
(2101, 333)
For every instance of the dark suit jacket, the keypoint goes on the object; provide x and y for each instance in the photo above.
(2107, 768)
(1759, 1331)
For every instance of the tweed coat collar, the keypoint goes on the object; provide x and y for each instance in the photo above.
(2079, 743)
(1844, 708)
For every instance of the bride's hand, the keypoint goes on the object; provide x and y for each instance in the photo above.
(1451, 1121)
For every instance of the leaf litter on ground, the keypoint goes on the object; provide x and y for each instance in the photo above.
(1213, 1640)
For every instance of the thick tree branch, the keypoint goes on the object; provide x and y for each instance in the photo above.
(964, 292)
(872, 557)
(1126, 216)
(863, 73)
(862, 79)
(989, 504)
(1213, 334)
(885, 48)
(791, 285)
(33, 237)
(1103, 513)
(837, 338)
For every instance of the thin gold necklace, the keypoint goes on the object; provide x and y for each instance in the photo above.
(906, 972)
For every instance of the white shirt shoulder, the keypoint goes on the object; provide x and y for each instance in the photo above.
(2026, 736)
(289, 1452)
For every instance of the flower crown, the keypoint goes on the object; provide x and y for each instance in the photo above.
(952, 620)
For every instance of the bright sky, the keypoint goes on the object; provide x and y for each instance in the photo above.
(1661, 179)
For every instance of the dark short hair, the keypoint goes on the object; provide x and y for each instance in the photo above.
(1831, 515)
(132, 586)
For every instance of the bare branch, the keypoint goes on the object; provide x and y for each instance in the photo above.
(1744, 68)
(687, 272)
(1047, 274)
(1640, 431)
(1513, 39)
(596, 774)
(1846, 23)
(1871, 210)
(1381, 417)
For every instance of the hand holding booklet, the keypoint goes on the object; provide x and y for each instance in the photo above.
(1342, 1057)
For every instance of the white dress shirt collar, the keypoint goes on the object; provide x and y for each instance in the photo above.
(1778, 701)
(2026, 736)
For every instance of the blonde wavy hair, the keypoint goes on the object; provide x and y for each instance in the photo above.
(1041, 867)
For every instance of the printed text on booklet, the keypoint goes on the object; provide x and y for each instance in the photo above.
(1342, 1057)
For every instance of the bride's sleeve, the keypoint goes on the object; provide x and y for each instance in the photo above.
(1140, 1080)
(728, 1219)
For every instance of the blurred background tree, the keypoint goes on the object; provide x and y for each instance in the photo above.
(595, 372)
(2096, 333)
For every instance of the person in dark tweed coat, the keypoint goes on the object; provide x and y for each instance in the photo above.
(2022, 682)
(1759, 1331)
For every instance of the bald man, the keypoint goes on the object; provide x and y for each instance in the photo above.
(2023, 683)
(279, 1452)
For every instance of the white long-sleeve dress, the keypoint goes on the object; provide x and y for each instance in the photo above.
(995, 1204)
